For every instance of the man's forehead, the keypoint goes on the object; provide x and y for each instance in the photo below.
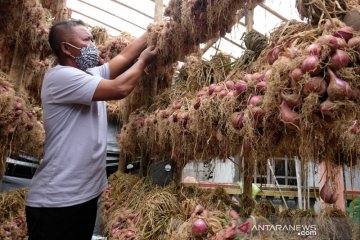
(81, 30)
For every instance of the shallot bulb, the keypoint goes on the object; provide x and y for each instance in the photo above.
(328, 108)
(237, 120)
(256, 100)
(258, 77)
(289, 117)
(295, 77)
(328, 193)
(223, 93)
(291, 100)
(197, 104)
(338, 89)
(345, 33)
(261, 86)
(339, 59)
(273, 55)
(332, 41)
(211, 88)
(354, 43)
(311, 64)
(240, 86)
(230, 85)
(199, 227)
(248, 77)
(314, 49)
(291, 52)
(316, 85)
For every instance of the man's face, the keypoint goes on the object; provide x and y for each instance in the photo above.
(80, 37)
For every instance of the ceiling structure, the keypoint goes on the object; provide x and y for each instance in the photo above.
(133, 17)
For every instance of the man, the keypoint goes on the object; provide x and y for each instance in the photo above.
(63, 195)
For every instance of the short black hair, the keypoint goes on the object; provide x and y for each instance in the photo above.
(56, 32)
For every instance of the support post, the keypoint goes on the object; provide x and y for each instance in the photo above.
(298, 181)
(159, 9)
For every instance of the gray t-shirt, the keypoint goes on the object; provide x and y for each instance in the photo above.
(73, 169)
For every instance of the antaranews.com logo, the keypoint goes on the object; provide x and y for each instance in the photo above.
(301, 230)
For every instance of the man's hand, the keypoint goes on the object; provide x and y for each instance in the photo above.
(149, 55)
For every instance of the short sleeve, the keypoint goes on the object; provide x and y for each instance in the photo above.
(70, 85)
(103, 71)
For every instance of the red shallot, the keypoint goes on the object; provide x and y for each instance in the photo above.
(288, 116)
(237, 119)
(295, 76)
(328, 108)
(338, 89)
(332, 41)
(199, 227)
(256, 100)
(339, 59)
(261, 86)
(328, 193)
(314, 49)
(345, 33)
(274, 54)
(240, 86)
(316, 85)
(291, 100)
(230, 85)
(311, 64)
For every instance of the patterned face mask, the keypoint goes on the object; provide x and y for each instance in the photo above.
(89, 56)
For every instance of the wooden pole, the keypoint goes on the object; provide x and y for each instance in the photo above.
(249, 20)
(298, 180)
(159, 9)
(122, 162)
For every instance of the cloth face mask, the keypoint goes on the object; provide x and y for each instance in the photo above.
(89, 56)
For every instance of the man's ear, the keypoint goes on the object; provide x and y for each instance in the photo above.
(65, 49)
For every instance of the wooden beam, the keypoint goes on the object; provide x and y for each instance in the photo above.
(159, 9)
(110, 13)
(267, 190)
(97, 20)
(273, 12)
(249, 20)
(134, 9)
